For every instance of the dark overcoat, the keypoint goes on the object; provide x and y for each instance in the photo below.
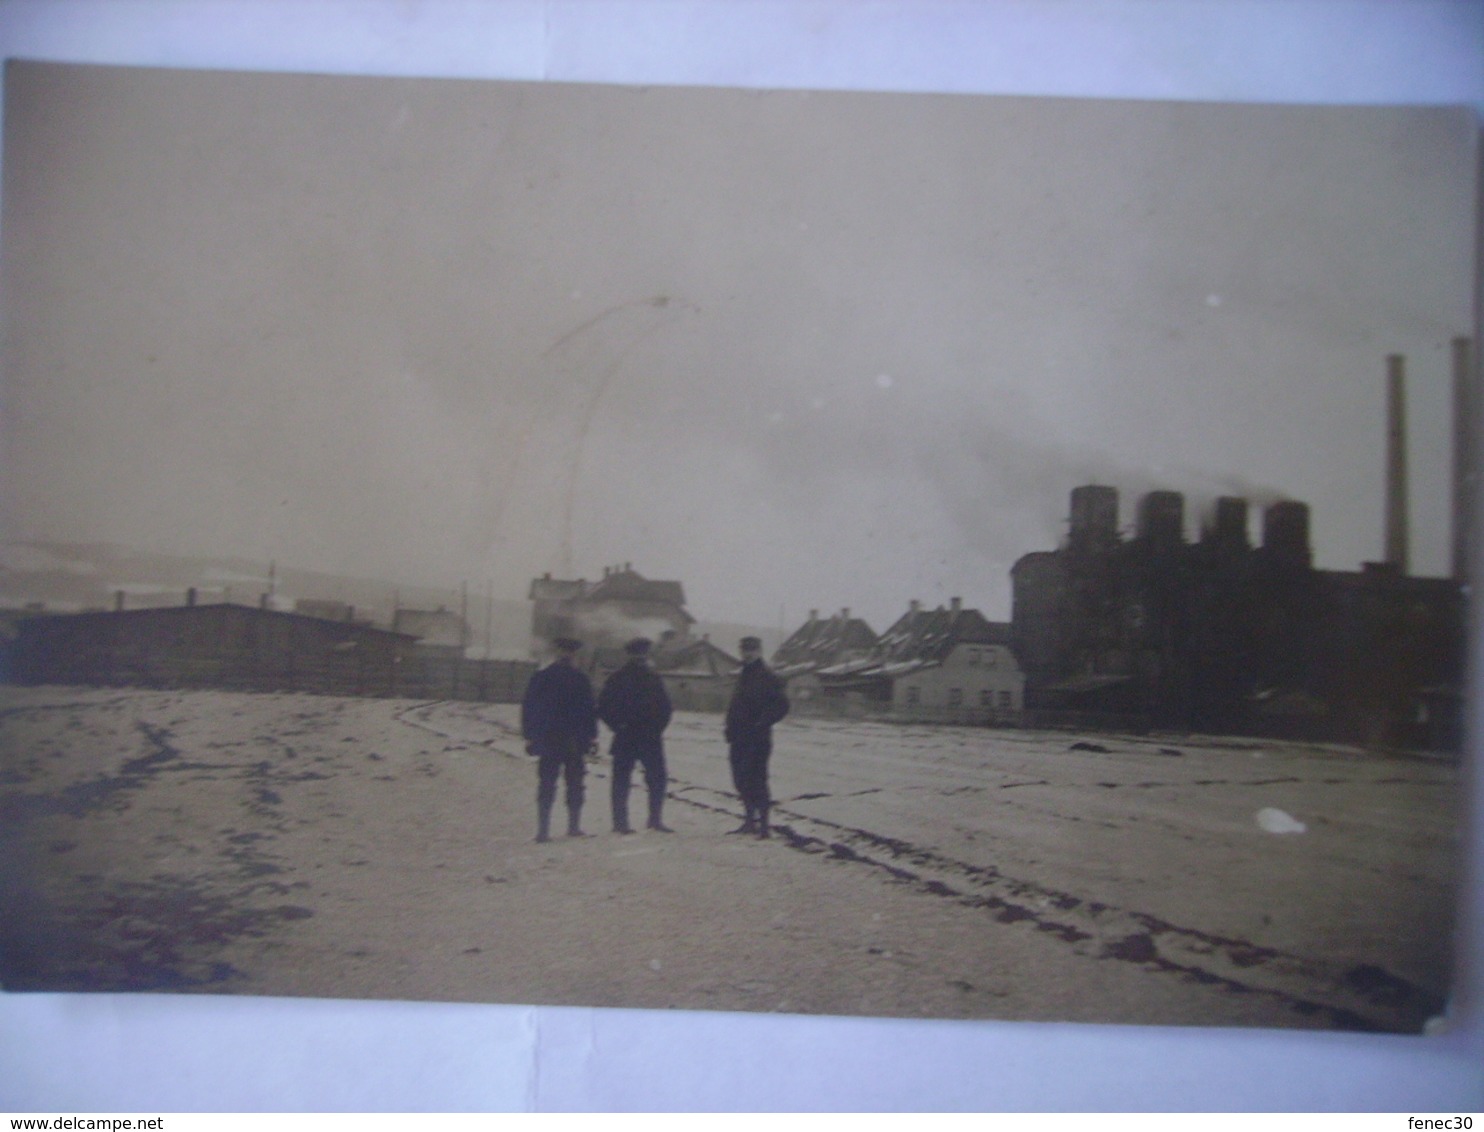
(758, 702)
(558, 708)
(636, 706)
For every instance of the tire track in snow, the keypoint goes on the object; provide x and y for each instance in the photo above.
(1363, 998)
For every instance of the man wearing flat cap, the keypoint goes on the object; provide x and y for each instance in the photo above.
(560, 723)
(758, 702)
(636, 706)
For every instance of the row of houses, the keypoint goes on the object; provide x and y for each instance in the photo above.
(948, 664)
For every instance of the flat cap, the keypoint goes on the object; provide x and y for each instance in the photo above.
(639, 646)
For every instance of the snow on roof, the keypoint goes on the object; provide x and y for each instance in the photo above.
(931, 634)
(849, 667)
(822, 640)
(906, 667)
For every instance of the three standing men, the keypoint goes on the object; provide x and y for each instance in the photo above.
(559, 719)
(758, 702)
(560, 723)
(635, 705)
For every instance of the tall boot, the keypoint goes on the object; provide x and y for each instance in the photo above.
(621, 815)
(656, 807)
(749, 823)
(618, 793)
(543, 823)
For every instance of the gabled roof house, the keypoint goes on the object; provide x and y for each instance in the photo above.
(605, 613)
(823, 641)
(948, 664)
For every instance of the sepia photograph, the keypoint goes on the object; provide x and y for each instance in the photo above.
(825, 553)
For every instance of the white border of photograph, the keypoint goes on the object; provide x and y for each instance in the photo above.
(160, 1053)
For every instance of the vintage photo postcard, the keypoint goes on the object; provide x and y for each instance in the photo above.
(887, 555)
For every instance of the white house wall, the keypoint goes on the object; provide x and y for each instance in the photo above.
(977, 683)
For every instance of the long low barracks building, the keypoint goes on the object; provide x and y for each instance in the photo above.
(223, 645)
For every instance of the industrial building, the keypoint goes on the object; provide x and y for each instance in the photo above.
(247, 648)
(1224, 636)
(1220, 635)
(239, 647)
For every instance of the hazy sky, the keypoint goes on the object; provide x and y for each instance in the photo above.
(795, 350)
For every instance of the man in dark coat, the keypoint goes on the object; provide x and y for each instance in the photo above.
(636, 706)
(560, 723)
(758, 702)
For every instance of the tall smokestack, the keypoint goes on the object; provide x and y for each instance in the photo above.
(1396, 462)
(1161, 518)
(1229, 524)
(1465, 405)
(1285, 533)
(1094, 518)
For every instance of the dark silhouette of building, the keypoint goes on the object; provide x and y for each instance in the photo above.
(237, 647)
(1220, 635)
(244, 648)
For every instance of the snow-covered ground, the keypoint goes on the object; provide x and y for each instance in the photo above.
(302, 845)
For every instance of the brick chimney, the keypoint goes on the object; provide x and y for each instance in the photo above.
(1397, 534)
(1094, 524)
(1285, 532)
(1465, 473)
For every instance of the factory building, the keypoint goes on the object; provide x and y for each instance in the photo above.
(1223, 636)
(235, 647)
